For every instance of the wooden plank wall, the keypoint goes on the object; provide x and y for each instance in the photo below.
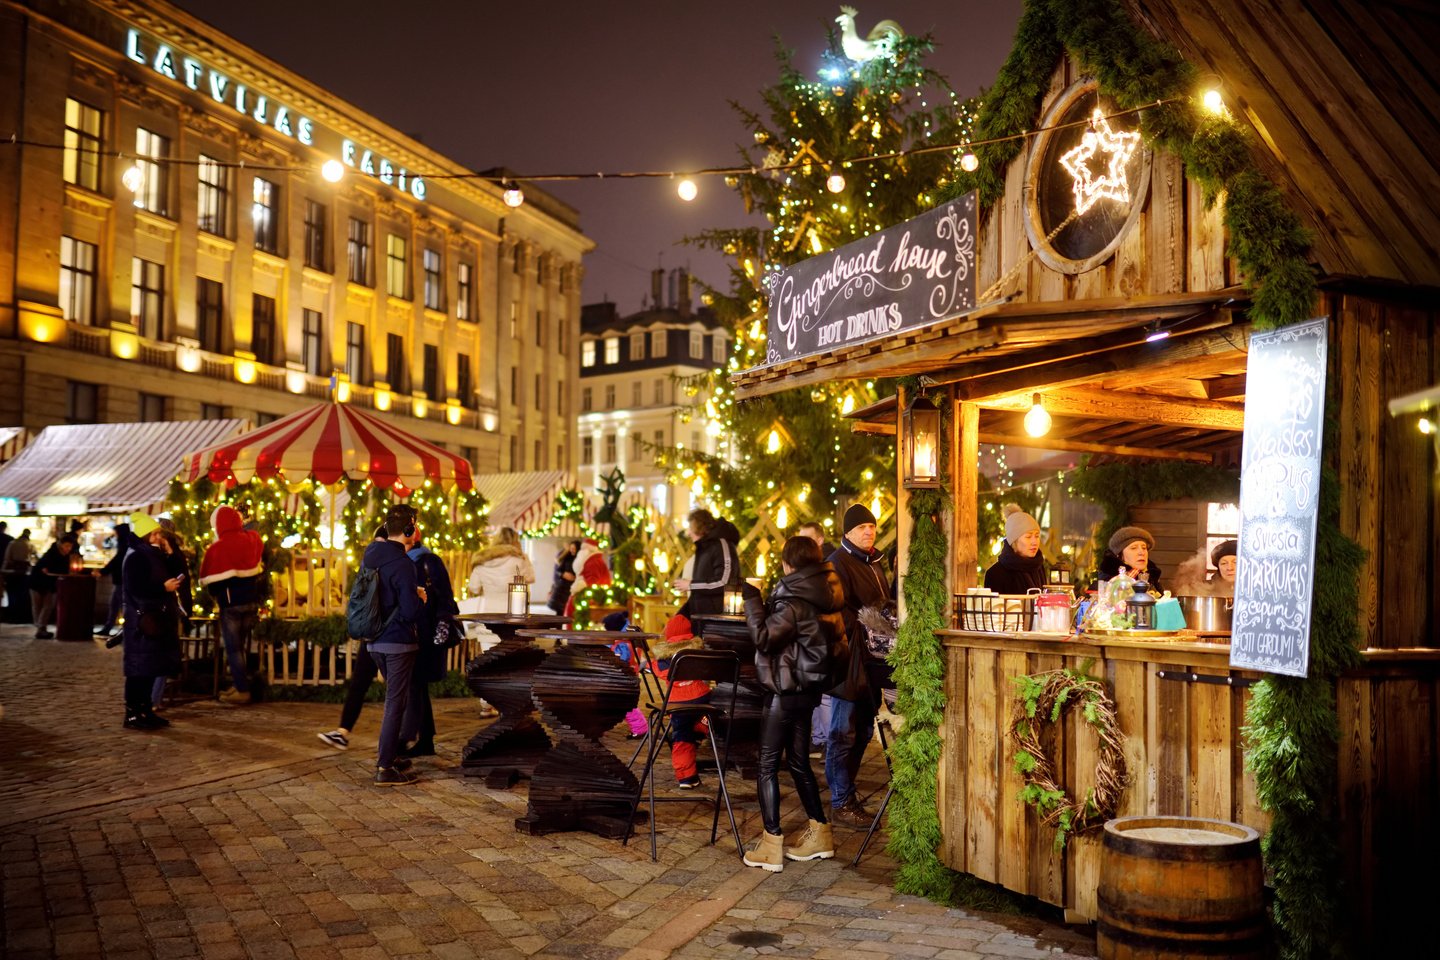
(1183, 755)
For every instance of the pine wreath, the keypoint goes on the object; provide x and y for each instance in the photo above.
(1043, 698)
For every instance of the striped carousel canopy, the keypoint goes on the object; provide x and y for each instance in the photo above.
(328, 443)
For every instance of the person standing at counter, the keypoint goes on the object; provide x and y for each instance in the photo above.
(45, 576)
(19, 554)
(1130, 548)
(1020, 566)
(717, 563)
(852, 707)
(1223, 556)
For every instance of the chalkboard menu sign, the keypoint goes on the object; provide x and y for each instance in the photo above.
(909, 275)
(1279, 499)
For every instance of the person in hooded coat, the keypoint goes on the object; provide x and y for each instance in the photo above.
(417, 733)
(795, 634)
(1020, 566)
(152, 621)
(231, 570)
(564, 576)
(717, 562)
(395, 647)
(114, 568)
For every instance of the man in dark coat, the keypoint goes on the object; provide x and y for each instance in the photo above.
(394, 649)
(45, 576)
(152, 616)
(418, 731)
(717, 562)
(852, 706)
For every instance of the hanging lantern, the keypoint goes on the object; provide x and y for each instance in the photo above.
(922, 445)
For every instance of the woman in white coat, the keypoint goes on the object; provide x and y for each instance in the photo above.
(496, 568)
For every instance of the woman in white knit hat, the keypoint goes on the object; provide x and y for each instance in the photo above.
(1020, 565)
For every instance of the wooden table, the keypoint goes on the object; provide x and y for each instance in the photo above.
(582, 690)
(510, 746)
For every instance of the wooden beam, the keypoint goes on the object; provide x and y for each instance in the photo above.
(1171, 359)
(1132, 407)
(967, 495)
(1224, 388)
(1075, 446)
(874, 429)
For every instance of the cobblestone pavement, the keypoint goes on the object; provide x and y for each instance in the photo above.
(236, 833)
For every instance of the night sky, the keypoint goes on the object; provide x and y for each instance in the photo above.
(559, 86)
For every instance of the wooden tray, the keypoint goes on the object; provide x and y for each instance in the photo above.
(1139, 634)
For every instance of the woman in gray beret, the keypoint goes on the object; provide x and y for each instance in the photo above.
(1130, 548)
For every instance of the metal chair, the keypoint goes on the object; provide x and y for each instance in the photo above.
(713, 666)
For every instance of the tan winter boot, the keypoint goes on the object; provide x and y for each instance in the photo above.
(813, 843)
(767, 853)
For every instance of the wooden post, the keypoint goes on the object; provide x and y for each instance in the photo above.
(904, 526)
(967, 490)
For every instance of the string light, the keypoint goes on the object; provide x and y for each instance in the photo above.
(687, 190)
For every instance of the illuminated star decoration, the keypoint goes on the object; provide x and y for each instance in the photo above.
(1119, 146)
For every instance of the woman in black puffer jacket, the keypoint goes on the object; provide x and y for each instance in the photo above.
(797, 635)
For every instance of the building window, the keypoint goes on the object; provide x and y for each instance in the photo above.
(430, 263)
(395, 371)
(514, 319)
(560, 463)
(357, 252)
(397, 267)
(718, 350)
(612, 349)
(610, 396)
(151, 153)
(514, 387)
(311, 331)
(262, 418)
(659, 438)
(212, 411)
(514, 452)
(697, 345)
(539, 393)
(609, 448)
(539, 463)
(637, 346)
(83, 143)
(659, 391)
(587, 353)
(355, 352)
(636, 392)
(463, 386)
(515, 260)
(539, 328)
(262, 328)
(587, 451)
(315, 217)
(214, 197)
(152, 408)
(587, 399)
(431, 372)
(470, 454)
(210, 313)
(77, 279)
(696, 444)
(637, 447)
(562, 336)
(560, 398)
(264, 210)
(463, 291)
(82, 402)
(657, 343)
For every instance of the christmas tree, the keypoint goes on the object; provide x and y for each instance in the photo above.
(865, 145)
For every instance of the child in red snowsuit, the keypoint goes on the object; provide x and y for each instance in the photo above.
(685, 732)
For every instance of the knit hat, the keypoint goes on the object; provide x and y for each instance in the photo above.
(678, 629)
(1225, 548)
(856, 515)
(1017, 522)
(142, 525)
(1125, 536)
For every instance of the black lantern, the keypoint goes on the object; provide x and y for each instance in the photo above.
(922, 445)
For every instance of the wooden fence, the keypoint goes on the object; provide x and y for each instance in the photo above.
(317, 582)
(301, 664)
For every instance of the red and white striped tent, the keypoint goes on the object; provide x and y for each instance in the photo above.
(328, 443)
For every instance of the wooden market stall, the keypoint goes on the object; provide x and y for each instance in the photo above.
(1135, 336)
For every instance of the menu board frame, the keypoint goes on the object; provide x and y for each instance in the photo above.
(1279, 498)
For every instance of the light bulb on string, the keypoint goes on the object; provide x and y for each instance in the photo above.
(1037, 420)
(133, 178)
(835, 182)
(514, 196)
(969, 162)
(332, 170)
(687, 190)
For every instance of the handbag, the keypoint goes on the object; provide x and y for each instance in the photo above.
(449, 632)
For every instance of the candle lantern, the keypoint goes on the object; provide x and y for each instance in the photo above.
(734, 602)
(519, 598)
(77, 562)
(922, 445)
(1060, 573)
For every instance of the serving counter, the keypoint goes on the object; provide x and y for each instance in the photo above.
(1179, 705)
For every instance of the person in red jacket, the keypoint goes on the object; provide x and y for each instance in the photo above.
(590, 571)
(231, 570)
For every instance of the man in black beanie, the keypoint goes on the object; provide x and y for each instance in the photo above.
(852, 706)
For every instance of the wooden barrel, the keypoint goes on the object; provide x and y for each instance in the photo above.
(1173, 887)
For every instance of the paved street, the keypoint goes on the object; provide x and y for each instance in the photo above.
(236, 833)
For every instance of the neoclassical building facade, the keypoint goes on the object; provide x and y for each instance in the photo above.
(190, 230)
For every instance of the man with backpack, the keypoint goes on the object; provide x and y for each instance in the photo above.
(386, 606)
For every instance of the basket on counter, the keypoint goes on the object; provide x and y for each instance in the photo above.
(995, 612)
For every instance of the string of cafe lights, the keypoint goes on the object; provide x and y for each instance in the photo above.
(333, 170)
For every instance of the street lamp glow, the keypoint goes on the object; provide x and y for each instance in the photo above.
(332, 171)
(1214, 101)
